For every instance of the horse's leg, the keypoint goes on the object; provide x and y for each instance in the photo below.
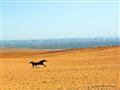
(44, 65)
(33, 65)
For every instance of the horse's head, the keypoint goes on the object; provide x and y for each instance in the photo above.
(44, 60)
(30, 62)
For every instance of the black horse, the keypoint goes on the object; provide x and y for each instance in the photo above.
(38, 63)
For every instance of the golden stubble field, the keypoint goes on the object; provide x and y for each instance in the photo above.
(72, 69)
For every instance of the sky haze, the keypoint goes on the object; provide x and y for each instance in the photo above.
(44, 20)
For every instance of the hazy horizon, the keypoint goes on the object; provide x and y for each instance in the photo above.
(62, 38)
(61, 43)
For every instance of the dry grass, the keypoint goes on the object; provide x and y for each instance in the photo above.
(74, 69)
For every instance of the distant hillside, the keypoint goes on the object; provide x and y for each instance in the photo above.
(61, 43)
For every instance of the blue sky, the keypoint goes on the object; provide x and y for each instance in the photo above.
(44, 20)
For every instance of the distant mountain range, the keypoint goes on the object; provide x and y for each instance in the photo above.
(60, 43)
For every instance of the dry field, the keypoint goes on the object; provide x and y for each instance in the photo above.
(73, 69)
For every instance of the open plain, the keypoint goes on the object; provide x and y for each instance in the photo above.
(72, 69)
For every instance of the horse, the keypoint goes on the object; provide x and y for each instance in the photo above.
(38, 63)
